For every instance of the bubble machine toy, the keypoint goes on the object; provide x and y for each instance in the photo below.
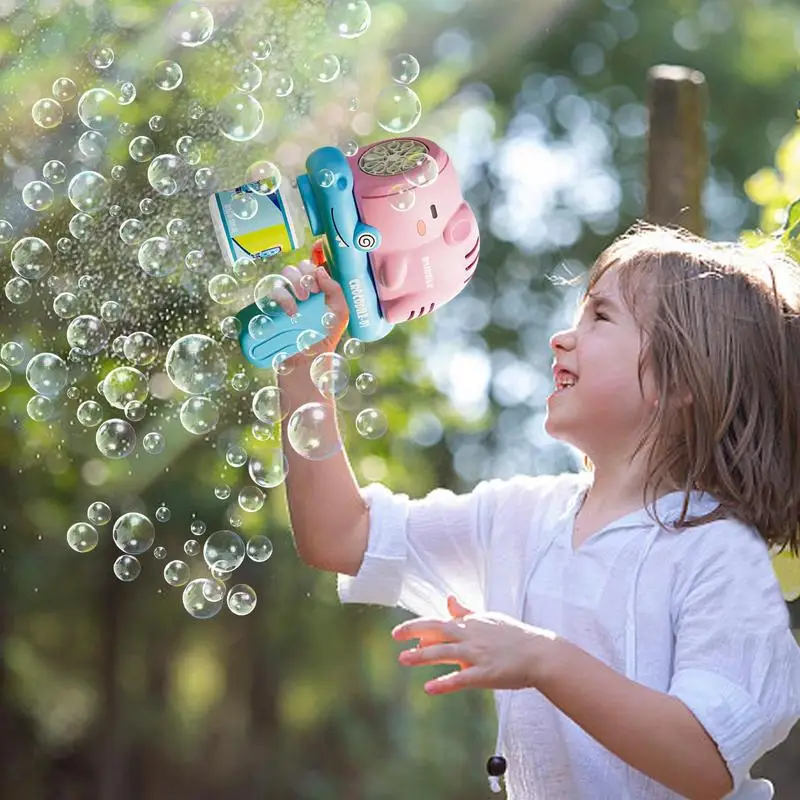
(396, 233)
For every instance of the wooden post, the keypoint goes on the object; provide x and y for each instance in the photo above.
(677, 157)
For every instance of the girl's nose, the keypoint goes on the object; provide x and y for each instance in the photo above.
(563, 340)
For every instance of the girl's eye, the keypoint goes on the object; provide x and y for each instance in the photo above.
(600, 315)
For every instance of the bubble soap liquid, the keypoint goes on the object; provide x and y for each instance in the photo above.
(397, 236)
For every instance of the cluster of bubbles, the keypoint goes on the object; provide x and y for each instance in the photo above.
(195, 364)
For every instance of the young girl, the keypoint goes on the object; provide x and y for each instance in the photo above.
(628, 618)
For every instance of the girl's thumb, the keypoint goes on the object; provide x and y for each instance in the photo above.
(455, 608)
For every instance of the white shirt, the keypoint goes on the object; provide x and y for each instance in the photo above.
(696, 613)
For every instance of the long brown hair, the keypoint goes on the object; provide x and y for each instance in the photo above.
(721, 327)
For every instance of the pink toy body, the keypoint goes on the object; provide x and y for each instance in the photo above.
(408, 189)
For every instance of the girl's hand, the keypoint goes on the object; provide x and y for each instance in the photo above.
(494, 651)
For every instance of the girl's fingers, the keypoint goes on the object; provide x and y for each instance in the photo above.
(285, 299)
(294, 275)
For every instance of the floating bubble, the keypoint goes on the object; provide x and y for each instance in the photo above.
(259, 47)
(240, 117)
(47, 113)
(241, 599)
(6, 231)
(177, 573)
(167, 75)
(190, 24)
(196, 598)
(54, 171)
(178, 228)
(236, 456)
(366, 383)
(135, 410)
(224, 550)
(5, 377)
(281, 84)
(127, 568)
(140, 348)
(18, 290)
(89, 413)
(330, 373)
(404, 68)
(92, 144)
(259, 548)
(31, 258)
(247, 76)
(204, 177)
(157, 257)
(13, 353)
(265, 174)
(353, 348)
(40, 408)
(168, 174)
(188, 150)
(269, 404)
(159, 552)
(403, 200)
(269, 469)
(350, 147)
(312, 432)
(156, 123)
(268, 289)
(251, 499)
(196, 364)
(64, 89)
(111, 311)
(88, 191)
(126, 94)
(325, 68)
(134, 533)
(222, 492)
(98, 109)
(244, 205)
(194, 260)
(87, 334)
(118, 173)
(124, 384)
(47, 374)
(197, 527)
(349, 18)
(82, 537)
(101, 57)
(371, 423)
(37, 195)
(199, 415)
(116, 438)
(81, 225)
(153, 443)
(230, 328)
(398, 109)
(141, 148)
(99, 513)
(222, 289)
(259, 326)
(163, 514)
(325, 178)
(147, 205)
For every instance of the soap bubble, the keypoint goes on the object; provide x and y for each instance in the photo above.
(325, 68)
(80, 226)
(168, 174)
(269, 469)
(222, 492)
(404, 68)
(240, 117)
(140, 348)
(6, 231)
(131, 231)
(126, 94)
(47, 113)
(196, 364)
(124, 384)
(64, 89)
(135, 410)
(134, 533)
(87, 334)
(141, 148)
(18, 290)
(247, 76)
(147, 205)
(230, 328)
(98, 109)
(251, 499)
(178, 228)
(267, 289)
(259, 326)
(259, 47)
(101, 57)
(398, 109)
(127, 568)
(265, 174)
(403, 200)
(190, 24)
(259, 548)
(371, 423)
(222, 289)
(5, 377)
(196, 598)
(13, 353)
(366, 383)
(236, 456)
(197, 527)
(241, 599)
(194, 260)
(244, 205)
(157, 257)
(281, 84)
(199, 415)
(191, 547)
(82, 537)
(349, 18)
(88, 191)
(47, 374)
(269, 404)
(353, 348)
(89, 413)
(31, 258)
(167, 75)
(330, 373)
(204, 178)
(153, 443)
(312, 433)
(40, 408)
(177, 573)
(116, 438)
(37, 195)
(111, 311)
(156, 123)
(163, 514)
(92, 144)
(159, 552)
(224, 550)
(54, 171)
(188, 150)
(325, 178)
(98, 513)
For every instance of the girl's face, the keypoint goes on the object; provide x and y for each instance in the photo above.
(605, 412)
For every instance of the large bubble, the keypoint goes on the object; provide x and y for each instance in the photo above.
(349, 18)
(224, 551)
(47, 374)
(199, 415)
(98, 109)
(312, 432)
(88, 191)
(190, 24)
(87, 334)
(31, 258)
(123, 385)
(268, 403)
(157, 257)
(167, 75)
(168, 174)
(134, 533)
(140, 348)
(47, 112)
(240, 117)
(196, 364)
(269, 469)
(202, 597)
(116, 438)
(398, 109)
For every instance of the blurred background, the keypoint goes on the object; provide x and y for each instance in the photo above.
(108, 687)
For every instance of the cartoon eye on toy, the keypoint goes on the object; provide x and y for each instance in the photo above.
(392, 157)
(366, 241)
(365, 237)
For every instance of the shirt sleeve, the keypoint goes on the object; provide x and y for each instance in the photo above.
(737, 664)
(419, 551)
